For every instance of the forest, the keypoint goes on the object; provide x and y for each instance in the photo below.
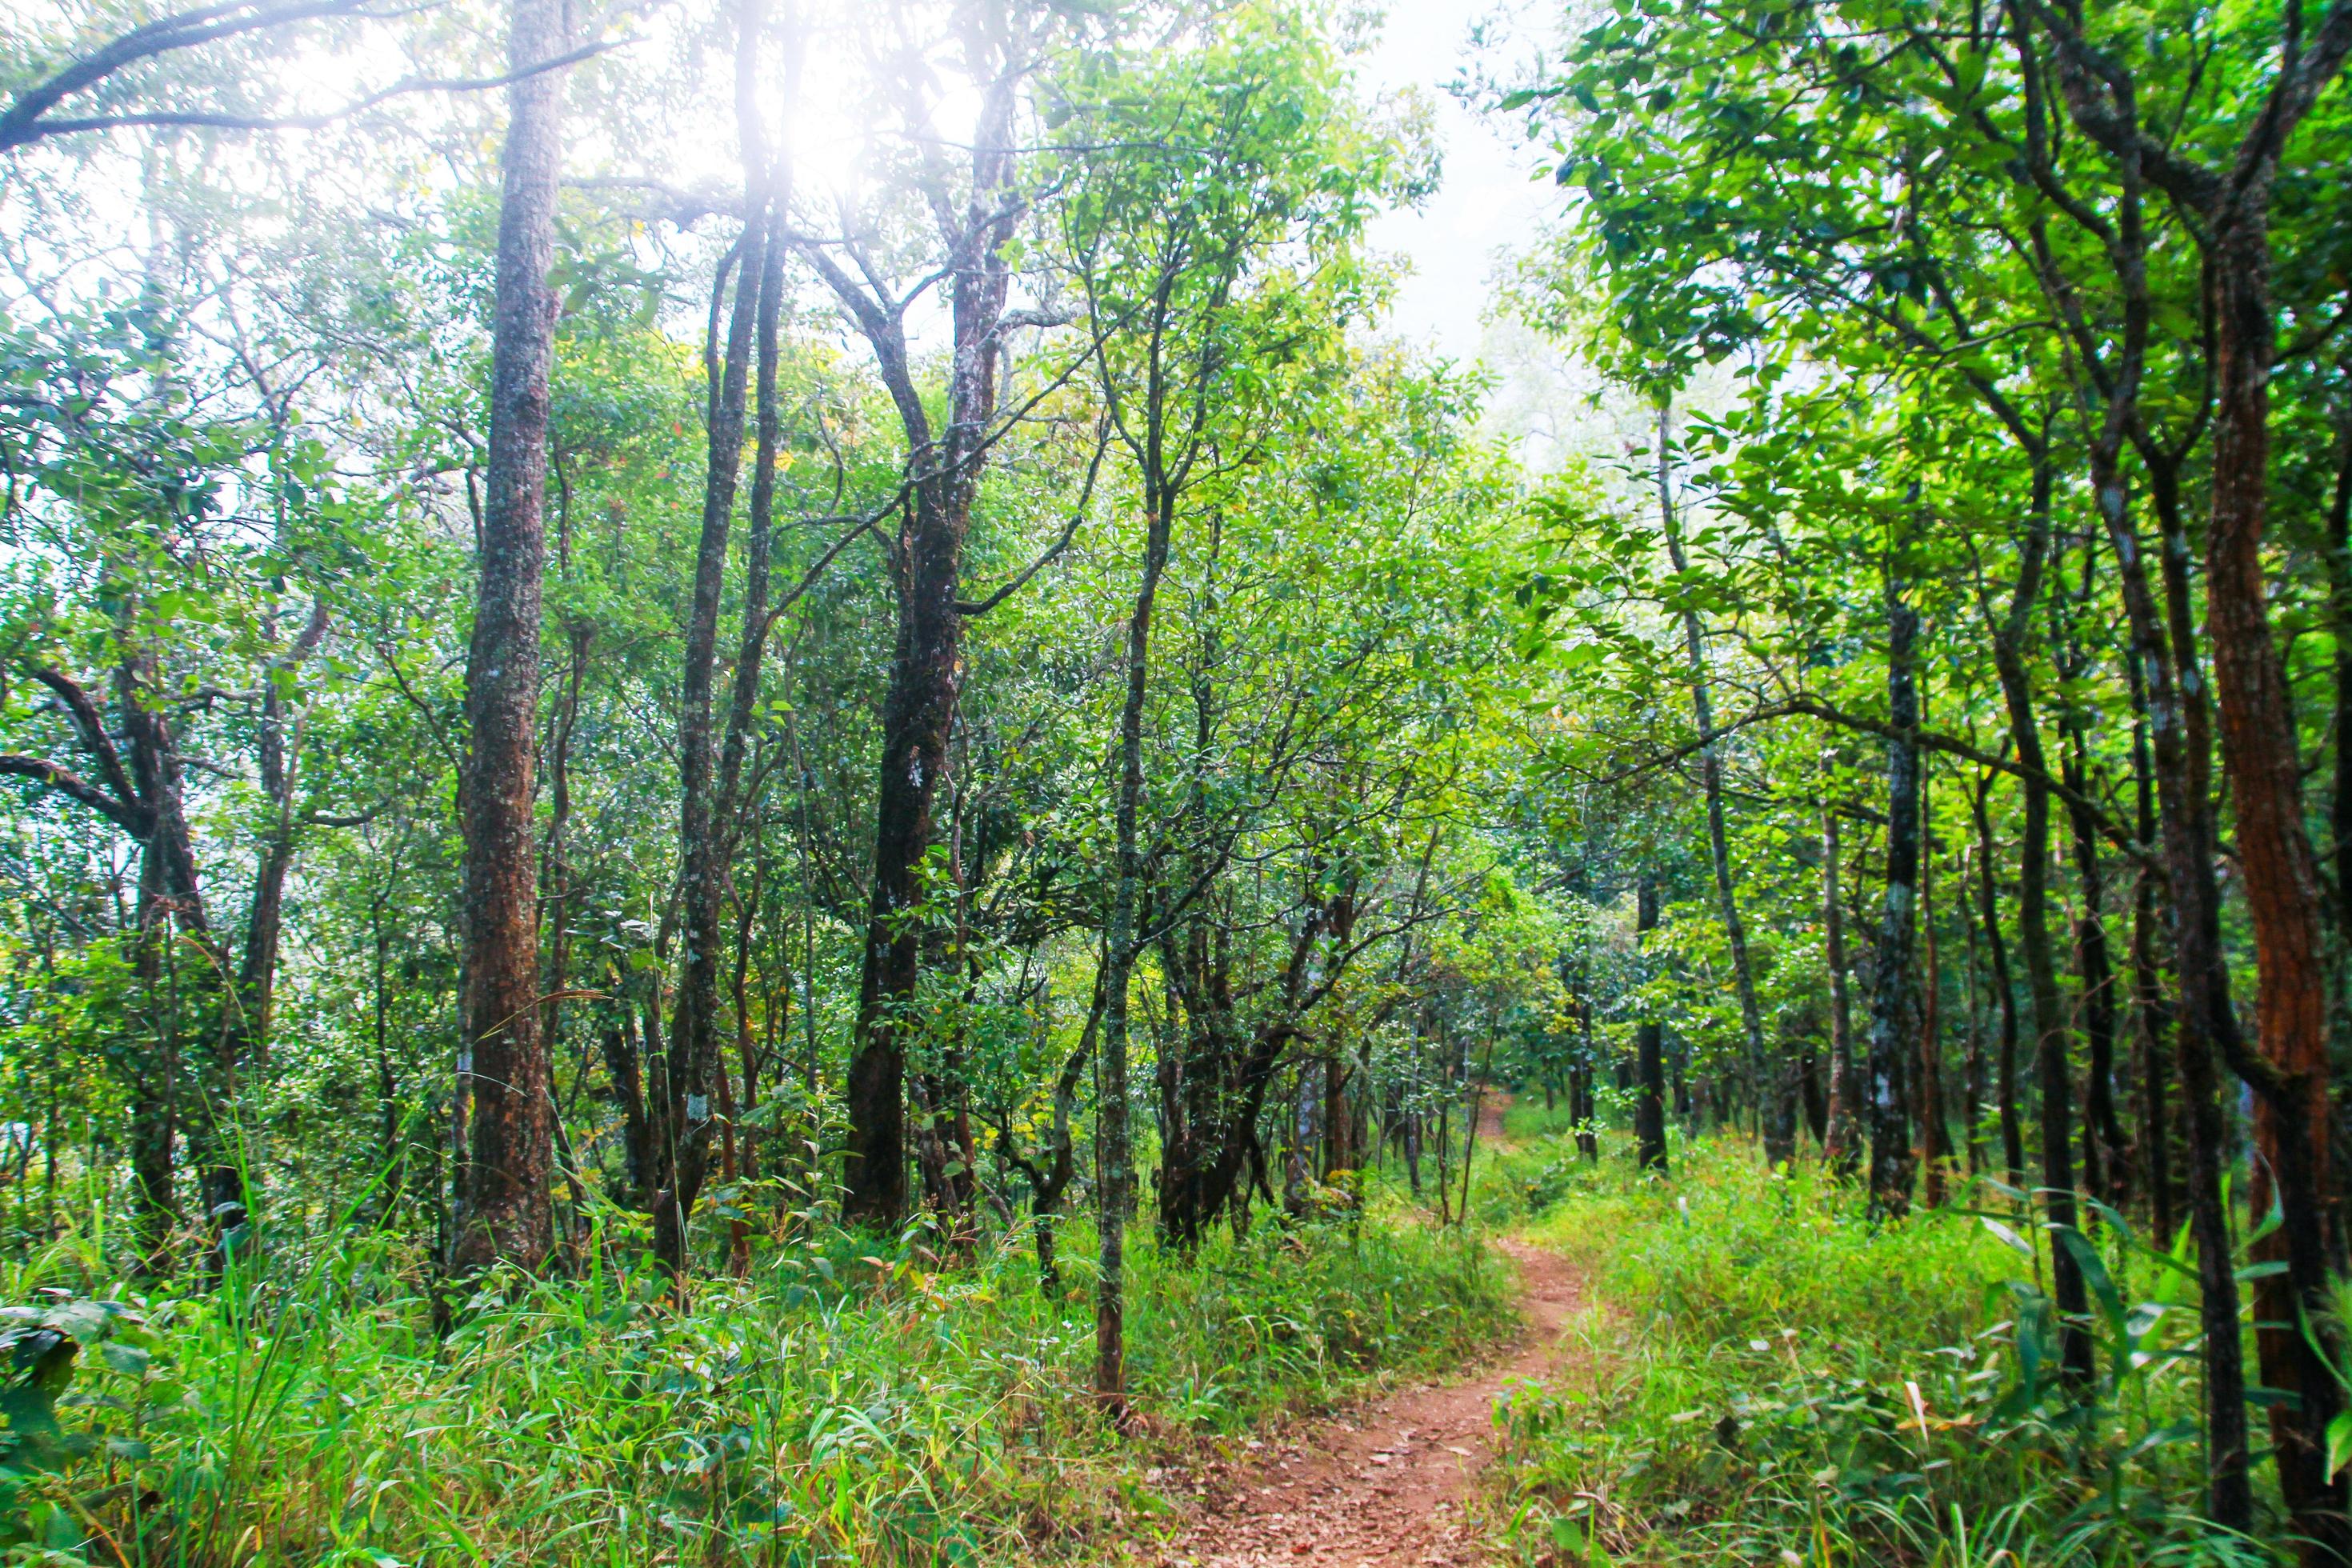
(793, 782)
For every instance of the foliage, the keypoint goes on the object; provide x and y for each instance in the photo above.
(840, 1406)
(1762, 1370)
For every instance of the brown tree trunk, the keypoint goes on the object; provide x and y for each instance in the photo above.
(1972, 1070)
(505, 1213)
(927, 663)
(2164, 646)
(2282, 883)
(155, 1083)
(694, 1056)
(624, 1068)
(2105, 1150)
(245, 1036)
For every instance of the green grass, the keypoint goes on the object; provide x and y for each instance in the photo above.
(1525, 1118)
(1750, 1383)
(833, 1408)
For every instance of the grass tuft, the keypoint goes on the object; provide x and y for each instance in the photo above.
(845, 1405)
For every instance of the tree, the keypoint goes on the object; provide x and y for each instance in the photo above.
(502, 1063)
(972, 220)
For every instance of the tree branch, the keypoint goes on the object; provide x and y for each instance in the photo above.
(130, 818)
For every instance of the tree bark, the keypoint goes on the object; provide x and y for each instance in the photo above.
(687, 1123)
(2282, 883)
(2148, 1010)
(2164, 644)
(2050, 1070)
(943, 467)
(1649, 1075)
(1841, 1144)
(505, 1214)
(1888, 1094)
(1934, 1148)
(2004, 990)
(1119, 952)
(2106, 1151)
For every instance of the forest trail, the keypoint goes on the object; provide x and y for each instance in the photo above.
(1383, 1485)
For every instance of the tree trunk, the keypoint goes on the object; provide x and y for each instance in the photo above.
(1119, 952)
(2105, 1148)
(1650, 1091)
(1842, 1144)
(624, 1068)
(927, 663)
(1973, 1071)
(694, 1060)
(2004, 991)
(505, 1214)
(2149, 1012)
(1773, 1104)
(2180, 725)
(2282, 882)
(1889, 1106)
(1934, 1150)
(2051, 1074)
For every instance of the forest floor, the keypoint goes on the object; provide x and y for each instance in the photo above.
(1388, 1483)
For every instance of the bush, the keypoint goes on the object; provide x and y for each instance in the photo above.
(1803, 1385)
(847, 1404)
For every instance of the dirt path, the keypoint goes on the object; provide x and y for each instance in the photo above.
(1385, 1483)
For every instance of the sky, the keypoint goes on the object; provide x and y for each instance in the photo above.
(1487, 204)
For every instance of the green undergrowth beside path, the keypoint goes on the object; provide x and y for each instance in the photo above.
(1761, 1375)
(836, 1407)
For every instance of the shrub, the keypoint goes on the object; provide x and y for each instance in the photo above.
(1803, 1385)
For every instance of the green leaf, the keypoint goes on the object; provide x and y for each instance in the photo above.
(2008, 1236)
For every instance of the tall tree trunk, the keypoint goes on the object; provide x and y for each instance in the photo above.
(2104, 1147)
(624, 1068)
(155, 1082)
(2051, 1074)
(1973, 1072)
(2148, 1011)
(750, 651)
(2004, 990)
(1583, 1104)
(918, 711)
(244, 1037)
(1842, 1145)
(695, 1056)
(1774, 1105)
(1119, 952)
(2282, 880)
(1934, 1148)
(2106, 1151)
(1650, 1081)
(505, 1214)
(2164, 644)
(1888, 1094)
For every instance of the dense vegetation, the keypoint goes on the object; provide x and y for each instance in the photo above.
(774, 788)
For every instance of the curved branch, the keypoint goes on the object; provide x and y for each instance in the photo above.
(132, 819)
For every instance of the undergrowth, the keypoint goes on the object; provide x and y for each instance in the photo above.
(1766, 1377)
(838, 1406)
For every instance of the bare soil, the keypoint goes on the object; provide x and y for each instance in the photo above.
(1388, 1482)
